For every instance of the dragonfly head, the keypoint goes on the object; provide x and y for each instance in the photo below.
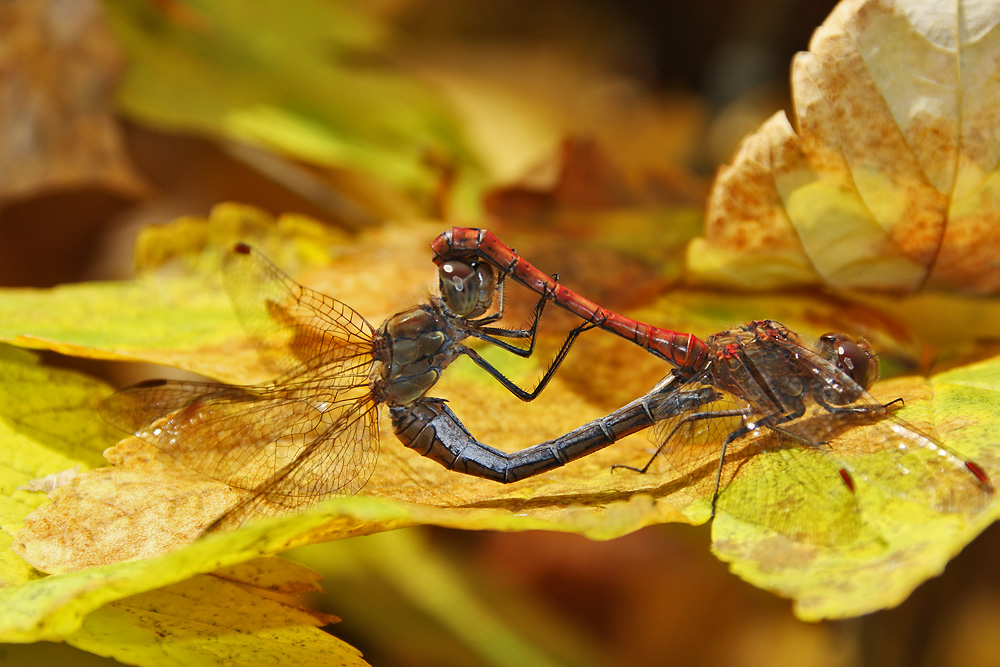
(466, 287)
(854, 357)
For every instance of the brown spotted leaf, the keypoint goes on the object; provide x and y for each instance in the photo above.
(888, 180)
(57, 122)
(150, 502)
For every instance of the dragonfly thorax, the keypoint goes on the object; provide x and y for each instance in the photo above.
(419, 344)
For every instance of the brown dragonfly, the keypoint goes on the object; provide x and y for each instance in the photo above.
(313, 432)
(756, 419)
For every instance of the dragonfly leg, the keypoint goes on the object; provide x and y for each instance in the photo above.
(774, 423)
(876, 409)
(718, 474)
(738, 433)
(490, 334)
(549, 372)
(510, 333)
(697, 416)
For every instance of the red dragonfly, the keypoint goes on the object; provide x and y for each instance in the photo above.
(756, 419)
(476, 247)
(313, 432)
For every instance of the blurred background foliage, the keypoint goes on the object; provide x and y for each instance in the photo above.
(122, 114)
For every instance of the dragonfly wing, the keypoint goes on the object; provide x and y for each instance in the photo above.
(293, 327)
(134, 408)
(885, 451)
(903, 461)
(774, 481)
(691, 441)
(345, 453)
(767, 478)
(254, 439)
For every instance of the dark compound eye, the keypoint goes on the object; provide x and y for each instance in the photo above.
(457, 273)
(467, 289)
(853, 357)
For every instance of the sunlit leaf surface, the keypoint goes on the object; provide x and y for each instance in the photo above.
(191, 622)
(146, 505)
(883, 182)
(888, 180)
(48, 424)
(865, 575)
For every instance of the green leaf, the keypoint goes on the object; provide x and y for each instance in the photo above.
(191, 622)
(316, 86)
(176, 313)
(48, 424)
(902, 543)
(145, 504)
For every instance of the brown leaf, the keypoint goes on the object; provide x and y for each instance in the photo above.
(51, 482)
(584, 176)
(141, 506)
(57, 123)
(889, 180)
(280, 580)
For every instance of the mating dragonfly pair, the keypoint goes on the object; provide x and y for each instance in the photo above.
(751, 394)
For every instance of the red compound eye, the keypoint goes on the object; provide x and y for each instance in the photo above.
(853, 357)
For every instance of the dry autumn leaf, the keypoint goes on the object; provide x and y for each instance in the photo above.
(160, 508)
(57, 123)
(141, 506)
(128, 541)
(194, 623)
(192, 620)
(888, 181)
(48, 424)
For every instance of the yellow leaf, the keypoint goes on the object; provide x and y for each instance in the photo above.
(48, 424)
(176, 313)
(203, 620)
(902, 543)
(146, 504)
(889, 180)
